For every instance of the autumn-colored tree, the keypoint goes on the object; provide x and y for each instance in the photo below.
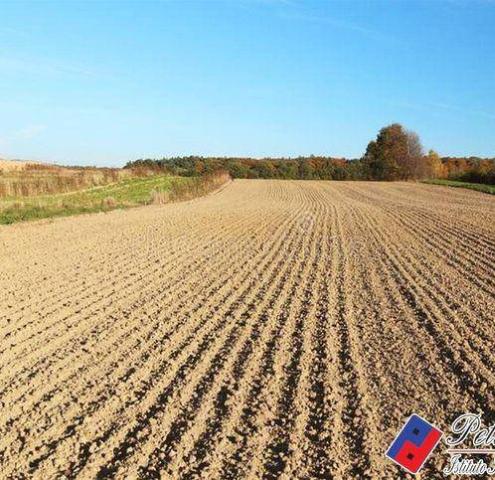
(199, 168)
(434, 165)
(414, 164)
(382, 154)
(396, 154)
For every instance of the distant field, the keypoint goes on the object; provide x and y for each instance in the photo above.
(125, 193)
(479, 187)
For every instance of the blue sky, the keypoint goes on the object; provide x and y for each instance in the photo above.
(105, 82)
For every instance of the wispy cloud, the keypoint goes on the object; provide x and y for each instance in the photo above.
(13, 31)
(456, 108)
(469, 3)
(40, 66)
(29, 132)
(327, 20)
(290, 3)
(250, 5)
(443, 107)
(26, 133)
(297, 10)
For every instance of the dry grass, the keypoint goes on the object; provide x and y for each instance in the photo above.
(28, 179)
(14, 165)
(192, 188)
(159, 197)
(34, 179)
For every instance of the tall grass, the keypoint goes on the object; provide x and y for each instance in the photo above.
(49, 180)
(191, 188)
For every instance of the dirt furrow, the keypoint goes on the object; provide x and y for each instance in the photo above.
(277, 329)
(201, 394)
(230, 404)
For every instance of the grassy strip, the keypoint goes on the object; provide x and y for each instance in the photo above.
(479, 187)
(124, 194)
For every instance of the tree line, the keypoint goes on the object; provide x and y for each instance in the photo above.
(395, 154)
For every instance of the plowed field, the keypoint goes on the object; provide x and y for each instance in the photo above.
(274, 329)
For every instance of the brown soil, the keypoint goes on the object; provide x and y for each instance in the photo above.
(275, 329)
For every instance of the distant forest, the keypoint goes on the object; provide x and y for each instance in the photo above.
(396, 154)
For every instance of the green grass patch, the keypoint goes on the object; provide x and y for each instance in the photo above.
(124, 194)
(479, 187)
